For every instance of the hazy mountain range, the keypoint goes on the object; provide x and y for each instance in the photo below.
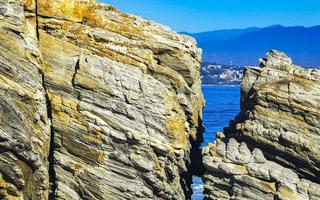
(245, 46)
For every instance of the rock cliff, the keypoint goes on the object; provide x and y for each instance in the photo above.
(95, 103)
(271, 150)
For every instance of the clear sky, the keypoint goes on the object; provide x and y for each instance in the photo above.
(206, 15)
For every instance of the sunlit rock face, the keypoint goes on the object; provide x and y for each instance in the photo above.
(233, 171)
(280, 111)
(271, 150)
(95, 103)
(24, 125)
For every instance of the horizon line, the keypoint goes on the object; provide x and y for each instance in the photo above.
(249, 27)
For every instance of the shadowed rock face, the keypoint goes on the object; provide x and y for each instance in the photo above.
(279, 117)
(95, 103)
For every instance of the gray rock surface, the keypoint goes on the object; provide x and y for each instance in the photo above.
(271, 150)
(24, 124)
(95, 103)
(256, 179)
(280, 111)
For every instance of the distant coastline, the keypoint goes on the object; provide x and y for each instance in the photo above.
(217, 74)
(238, 85)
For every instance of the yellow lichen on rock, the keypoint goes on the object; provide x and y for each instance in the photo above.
(176, 129)
(108, 97)
(29, 5)
(9, 191)
(74, 10)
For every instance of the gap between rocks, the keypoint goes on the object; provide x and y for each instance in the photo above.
(51, 171)
(196, 167)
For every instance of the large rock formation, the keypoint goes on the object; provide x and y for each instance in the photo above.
(95, 103)
(233, 171)
(280, 117)
(24, 123)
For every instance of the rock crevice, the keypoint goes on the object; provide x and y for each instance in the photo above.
(51, 170)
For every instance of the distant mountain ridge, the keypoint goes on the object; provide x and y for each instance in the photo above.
(221, 34)
(244, 46)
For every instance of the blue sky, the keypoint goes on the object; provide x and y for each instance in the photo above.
(206, 15)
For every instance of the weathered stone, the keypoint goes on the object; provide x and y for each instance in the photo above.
(264, 186)
(24, 124)
(235, 152)
(212, 181)
(314, 191)
(244, 153)
(210, 164)
(257, 156)
(279, 110)
(95, 103)
(233, 169)
(275, 59)
(303, 187)
(253, 180)
(261, 171)
(249, 188)
(279, 121)
(221, 148)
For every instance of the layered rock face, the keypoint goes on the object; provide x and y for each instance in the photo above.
(280, 117)
(280, 111)
(95, 103)
(24, 123)
(233, 171)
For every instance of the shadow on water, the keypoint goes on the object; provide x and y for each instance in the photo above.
(222, 105)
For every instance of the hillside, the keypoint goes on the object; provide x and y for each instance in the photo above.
(244, 46)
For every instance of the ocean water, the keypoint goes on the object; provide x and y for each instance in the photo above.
(222, 105)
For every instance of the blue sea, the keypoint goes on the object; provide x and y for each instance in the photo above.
(222, 105)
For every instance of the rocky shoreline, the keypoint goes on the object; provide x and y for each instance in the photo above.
(216, 74)
(99, 104)
(271, 149)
